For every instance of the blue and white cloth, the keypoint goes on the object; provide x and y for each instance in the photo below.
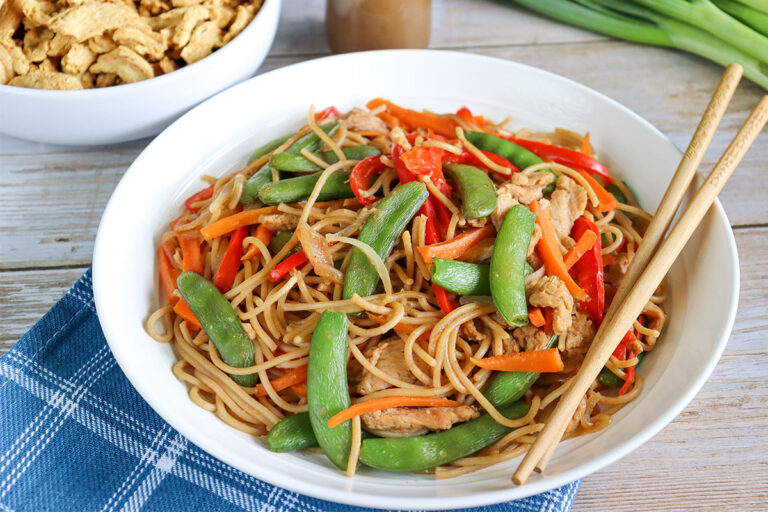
(76, 436)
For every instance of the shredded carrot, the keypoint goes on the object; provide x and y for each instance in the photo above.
(606, 200)
(389, 119)
(585, 243)
(182, 309)
(457, 246)
(388, 402)
(191, 256)
(416, 119)
(586, 147)
(295, 376)
(549, 251)
(238, 220)
(262, 234)
(536, 317)
(300, 389)
(476, 251)
(168, 275)
(539, 361)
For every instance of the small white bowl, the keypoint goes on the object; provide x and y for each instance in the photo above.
(131, 111)
(217, 136)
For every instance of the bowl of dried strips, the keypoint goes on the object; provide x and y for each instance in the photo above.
(102, 72)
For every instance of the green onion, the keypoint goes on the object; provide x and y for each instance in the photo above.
(696, 26)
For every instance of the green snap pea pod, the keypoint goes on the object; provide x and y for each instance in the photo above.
(300, 188)
(327, 388)
(419, 453)
(254, 184)
(508, 387)
(220, 323)
(507, 277)
(269, 147)
(292, 433)
(610, 379)
(518, 155)
(278, 240)
(461, 277)
(478, 195)
(297, 163)
(381, 230)
(311, 141)
(617, 193)
(464, 278)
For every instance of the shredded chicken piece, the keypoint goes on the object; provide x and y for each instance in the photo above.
(655, 319)
(410, 421)
(469, 331)
(360, 120)
(567, 203)
(581, 410)
(526, 338)
(389, 357)
(617, 269)
(520, 189)
(279, 221)
(46, 80)
(551, 292)
(579, 338)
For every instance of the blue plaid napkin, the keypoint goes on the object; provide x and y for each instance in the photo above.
(75, 435)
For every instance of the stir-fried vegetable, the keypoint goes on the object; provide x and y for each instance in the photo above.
(254, 184)
(220, 323)
(297, 189)
(360, 178)
(461, 277)
(231, 223)
(588, 271)
(414, 119)
(224, 277)
(507, 274)
(269, 147)
(565, 156)
(387, 402)
(539, 361)
(291, 378)
(695, 26)
(476, 190)
(455, 247)
(327, 388)
(380, 231)
(298, 163)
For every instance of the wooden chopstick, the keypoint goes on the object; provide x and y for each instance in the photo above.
(614, 328)
(673, 196)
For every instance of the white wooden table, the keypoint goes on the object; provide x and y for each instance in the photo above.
(713, 456)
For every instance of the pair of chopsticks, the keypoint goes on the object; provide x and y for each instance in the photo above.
(654, 257)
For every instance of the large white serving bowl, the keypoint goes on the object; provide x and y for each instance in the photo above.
(216, 138)
(131, 111)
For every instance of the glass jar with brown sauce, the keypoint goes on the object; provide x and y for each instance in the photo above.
(358, 25)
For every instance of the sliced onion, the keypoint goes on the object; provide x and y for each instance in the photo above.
(318, 253)
(372, 256)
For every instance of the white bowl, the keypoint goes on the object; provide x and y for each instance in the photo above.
(216, 137)
(131, 111)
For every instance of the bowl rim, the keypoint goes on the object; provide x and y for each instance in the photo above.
(484, 497)
(140, 86)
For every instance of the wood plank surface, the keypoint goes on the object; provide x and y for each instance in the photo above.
(713, 456)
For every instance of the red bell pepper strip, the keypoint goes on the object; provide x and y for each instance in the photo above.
(204, 194)
(291, 262)
(630, 375)
(168, 275)
(467, 115)
(327, 113)
(427, 161)
(588, 271)
(565, 156)
(468, 158)
(224, 277)
(360, 177)
(191, 256)
(444, 299)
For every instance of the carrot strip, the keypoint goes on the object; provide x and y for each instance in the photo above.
(585, 243)
(182, 309)
(549, 319)
(389, 119)
(293, 377)
(536, 317)
(225, 274)
(606, 200)
(538, 361)
(238, 220)
(476, 251)
(456, 247)
(549, 251)
(586, 147)
(168, 275)
(191, 256)
(416, 119)
(388, 402)
(300, 389)
(262, 234)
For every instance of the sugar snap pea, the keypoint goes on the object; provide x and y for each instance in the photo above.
(518, 155)
(312, 141)
(297, 163)
(461, 277)
(327, 387)
(507, 276)
(611, 380)
(300, 188)
(220, 323)
(254, 184)
(292, 433)
(419, 453)
(381, 230)
(278, 240)
(269, 147)
(478, 195)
